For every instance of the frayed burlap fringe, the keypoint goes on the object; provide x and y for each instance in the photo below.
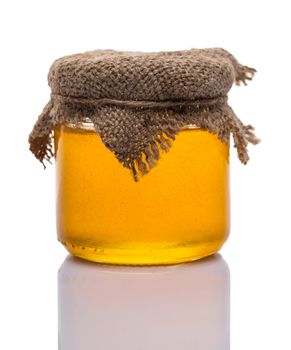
(136, 131)
(157, 125)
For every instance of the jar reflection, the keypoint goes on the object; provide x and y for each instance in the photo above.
(183, 306)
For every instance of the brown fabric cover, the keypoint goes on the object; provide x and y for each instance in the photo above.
(138, 101)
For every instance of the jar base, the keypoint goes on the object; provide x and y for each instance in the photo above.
(166, 256)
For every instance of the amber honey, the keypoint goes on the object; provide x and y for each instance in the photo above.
(177, 212)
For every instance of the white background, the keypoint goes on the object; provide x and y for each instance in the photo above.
(33, 34)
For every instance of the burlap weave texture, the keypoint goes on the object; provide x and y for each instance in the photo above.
(139, 101)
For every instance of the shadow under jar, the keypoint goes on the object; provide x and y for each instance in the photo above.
(177, 212)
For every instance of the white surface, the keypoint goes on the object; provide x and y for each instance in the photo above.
(33, 34)
(168, 307)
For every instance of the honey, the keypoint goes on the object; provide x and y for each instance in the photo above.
(177, 212)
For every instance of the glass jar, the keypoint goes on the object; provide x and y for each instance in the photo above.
(177, 212)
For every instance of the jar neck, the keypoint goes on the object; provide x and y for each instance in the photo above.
(87, 124)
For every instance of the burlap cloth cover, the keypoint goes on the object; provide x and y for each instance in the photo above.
(138, 101)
